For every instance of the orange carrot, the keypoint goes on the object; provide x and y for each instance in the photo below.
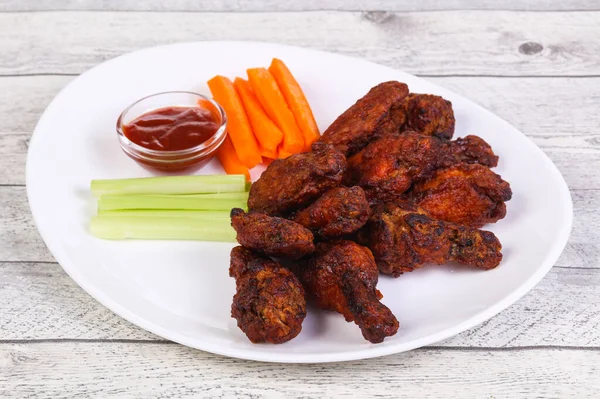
(265, 130)
(230, 161)
(274, 104)
(238, 127)
(268, 154)
(283, 153)
(296, 101)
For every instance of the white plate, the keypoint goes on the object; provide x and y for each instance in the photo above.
(182, 291)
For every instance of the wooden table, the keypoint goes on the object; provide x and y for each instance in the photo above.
(534, 63)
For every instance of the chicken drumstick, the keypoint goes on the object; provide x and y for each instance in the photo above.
(342, 276)
(269, 303)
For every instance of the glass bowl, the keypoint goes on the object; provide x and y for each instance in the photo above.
(195, 156)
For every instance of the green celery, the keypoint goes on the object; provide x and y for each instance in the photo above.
(118, 227)
(168, 185)
(208, 202)
(154, 213)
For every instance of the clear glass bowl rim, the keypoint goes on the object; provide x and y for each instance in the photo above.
(209, 144)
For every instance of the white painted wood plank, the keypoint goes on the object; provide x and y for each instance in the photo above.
(557, 112)
(426, 43)
(23, 99)
(583, 247)
(294, 5)
(40, 301)
(172, 371)
(13, 150)
(577, 157)
(20, 239)
(22, 243)
(567, 133)
(44, 303)
(545, 316)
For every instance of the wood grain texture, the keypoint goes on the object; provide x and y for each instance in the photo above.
(40, 301)
(575, 154)
(532, 321)
(570, 137)
(20, 238)
(172, 371)
(22, 243)
(572, 142)
(13, 150)
(547, 345)
(427, 43)
(23, 100)
(293, 5)
(560, 311)
(559, 113)
(583, 247)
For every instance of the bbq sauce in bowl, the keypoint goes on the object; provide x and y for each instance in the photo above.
(172, 128)
(172, 131)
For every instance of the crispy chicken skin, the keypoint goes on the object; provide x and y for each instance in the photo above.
(430, 115)
(402, 237)
(380, 111)
(294, 182)
(472, 149)
(271, 235)
(269, 303)
(388, 166)
(342, 276)
(471, 195)
(340, 211)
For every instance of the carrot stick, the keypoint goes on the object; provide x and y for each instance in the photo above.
(274, 104)
(229, 159)
(268, 154)
(296, 101)
(265, 130)
(238, 127)
(283, 153)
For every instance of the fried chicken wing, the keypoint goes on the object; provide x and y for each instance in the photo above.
(382, 110)
(430, 115)
(342, 276)
(340, 211)
(471, 195)
(269, 303)
(402, 237)
(471, 149)
(388, 166)
(271, 235)
(294, 182)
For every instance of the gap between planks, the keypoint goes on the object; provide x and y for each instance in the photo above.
(244, 6)
(590, 76)
(294, 11)
(48, 262)
(490, 43)
(167, 342)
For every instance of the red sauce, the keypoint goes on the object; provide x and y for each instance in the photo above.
(172, 128)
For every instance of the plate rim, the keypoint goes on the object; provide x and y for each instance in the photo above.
(269, 357)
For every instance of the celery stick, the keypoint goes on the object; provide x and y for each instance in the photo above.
(154, 213)
(170, 185)
(161, 228)
(208, 202)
